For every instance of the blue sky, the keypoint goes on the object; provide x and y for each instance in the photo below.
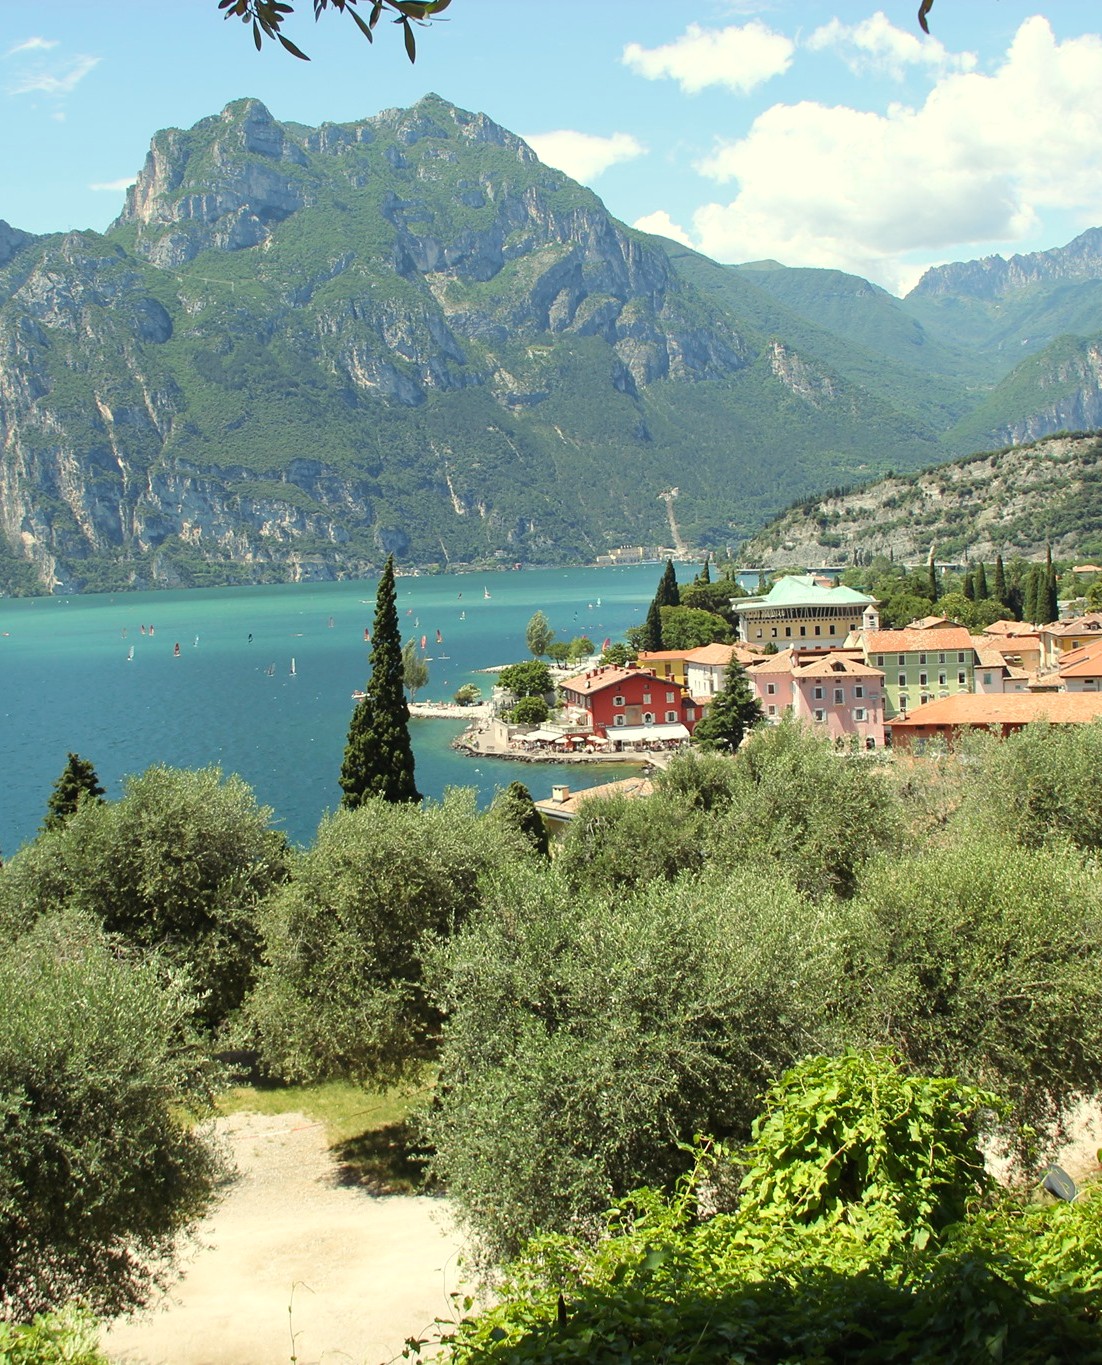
(813, 133)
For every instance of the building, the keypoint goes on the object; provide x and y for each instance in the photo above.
(948, 716)
(993, 671)
(836, 691)
(1080, 670)
(706, 667)
(1060, 637)
(628, 706)
(564, 804)
(798, 611)
(668, 664)
(919, 666)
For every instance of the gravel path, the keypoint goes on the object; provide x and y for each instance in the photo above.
(360, 1273)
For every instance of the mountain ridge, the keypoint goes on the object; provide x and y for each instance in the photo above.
(297, 350)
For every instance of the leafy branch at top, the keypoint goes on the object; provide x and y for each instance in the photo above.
(267, 16)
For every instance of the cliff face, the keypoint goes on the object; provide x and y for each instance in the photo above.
(300, 349)
(993, 277)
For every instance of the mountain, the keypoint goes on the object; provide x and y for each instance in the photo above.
(1013, 502)
(300, 349)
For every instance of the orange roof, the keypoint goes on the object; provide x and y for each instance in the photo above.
(721, 654)
(661, 654)
(933, 622)
(1078, 625)
(630, 787)
(1004, 708)
(834, 665)
(1010, 628)
(595, 679)
(912, 641)
(1084, 662)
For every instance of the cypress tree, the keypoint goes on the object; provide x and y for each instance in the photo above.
(970, 585)
(1032, 598)
(981, 582)
(378, 758)
(668, 594)
(935, 591)
(1050, 603)
(652, 628)
(734, 710)
(705, 573)
(1000, 582)
(78, 782)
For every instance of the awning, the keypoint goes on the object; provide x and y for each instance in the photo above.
(632, 734)
(544, 736)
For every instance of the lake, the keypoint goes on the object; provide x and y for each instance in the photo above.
(100, 676)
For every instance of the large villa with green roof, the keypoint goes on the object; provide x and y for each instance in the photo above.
(798, 611)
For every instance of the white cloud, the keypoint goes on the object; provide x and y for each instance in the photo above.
(123, 183)
(583, 156)
(876, 45)
(979, 162)
(662, 225)
(61, 81)
(31, 45)
(739, 57)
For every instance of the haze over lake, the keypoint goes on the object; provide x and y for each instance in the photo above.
(69, 682)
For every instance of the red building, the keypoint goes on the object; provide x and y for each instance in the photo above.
(629, 705)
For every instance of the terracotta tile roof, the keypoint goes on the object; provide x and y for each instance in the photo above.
(720, 654)
(1078, 625)
(913, 641)
(773, 663)
(987, 654)
(839, 665)
(607, 675)
(1005, 708)
(932, 623)
(1002, 628)
(630, 787)
(1084, 662)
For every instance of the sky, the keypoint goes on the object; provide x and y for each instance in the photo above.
(803, 131)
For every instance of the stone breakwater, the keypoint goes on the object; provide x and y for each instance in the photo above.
(449, 710)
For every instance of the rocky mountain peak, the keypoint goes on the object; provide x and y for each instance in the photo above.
(994, 277)
(12, 240)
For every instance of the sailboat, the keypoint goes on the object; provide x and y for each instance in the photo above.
(270, 671)
(439, 638)
(130, 656)
(292, 665)
(486, 592)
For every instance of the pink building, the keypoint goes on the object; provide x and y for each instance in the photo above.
(836, 690)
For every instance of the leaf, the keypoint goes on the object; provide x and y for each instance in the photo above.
(292, 49)
(362, 25)
(923, 10)
(411, 43)
(256, 36)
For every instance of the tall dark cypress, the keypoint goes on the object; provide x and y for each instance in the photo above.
(705, 573)
(668, 594)
(969, 585)
(1000, 582)
(652, 628)
(1050, 603)
(378, 758)
(982, 590)
(935, 591)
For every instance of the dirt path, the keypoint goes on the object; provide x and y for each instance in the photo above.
(360, 1273)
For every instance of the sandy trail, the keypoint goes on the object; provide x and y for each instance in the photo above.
(361, 1273)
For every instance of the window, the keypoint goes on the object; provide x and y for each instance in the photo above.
(960, 658)
(803, 630)
(773, 632)
(858, 691)
(903, 701)
(757, 633)
(922, 658)
(902, 680)
(618, 720)
(671, 696)
(648, 717)
(818, 694)
(859, 713)
(839, 696)
(922, 680)
(690, 713)
(816, 630)
(820, 715)
(771, 688)
(902, 659)
(770, 710)
(617, 701)
(788, 630)
(986, 679)
(646, 698)
(671, 717)
(943, 680)
(925, 698)
(941, 658)
(880, 661)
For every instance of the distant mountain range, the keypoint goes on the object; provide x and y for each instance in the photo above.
(300, 349)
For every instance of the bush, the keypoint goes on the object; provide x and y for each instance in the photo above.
(101, 1166)
(529, 711)
(587, 1039)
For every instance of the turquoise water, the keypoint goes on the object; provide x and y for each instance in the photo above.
(67, 681)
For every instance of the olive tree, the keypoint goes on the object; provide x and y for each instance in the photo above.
(587, 1037)
(179, 864)
(102, 1167)
(340, 992)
